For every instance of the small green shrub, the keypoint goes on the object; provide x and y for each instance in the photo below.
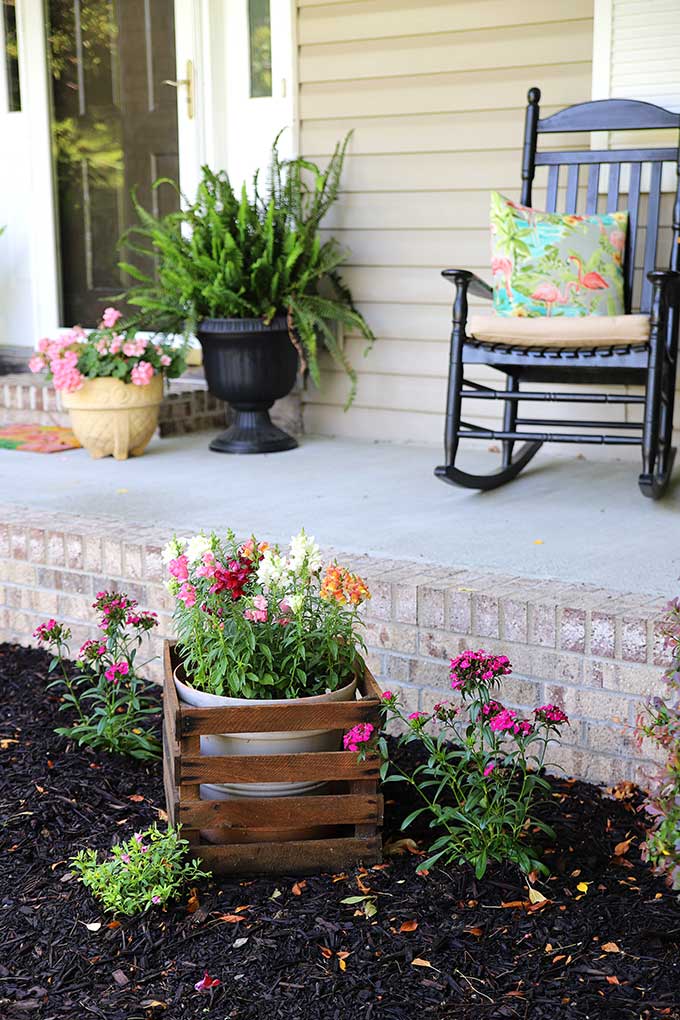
(148, 870)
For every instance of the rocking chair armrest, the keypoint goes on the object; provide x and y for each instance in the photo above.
(666, 282)
(469, 282)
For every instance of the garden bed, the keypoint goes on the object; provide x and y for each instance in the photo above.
(605, 945)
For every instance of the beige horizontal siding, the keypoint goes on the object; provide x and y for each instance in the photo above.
(434, 93)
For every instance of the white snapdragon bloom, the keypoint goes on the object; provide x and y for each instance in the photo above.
(295, 601)
(196, 547)
(304, 553)
(173, 549)
(272, 569)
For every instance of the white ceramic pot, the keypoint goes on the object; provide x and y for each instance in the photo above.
(245, 744)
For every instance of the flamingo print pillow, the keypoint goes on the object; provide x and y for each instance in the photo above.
(549, 264)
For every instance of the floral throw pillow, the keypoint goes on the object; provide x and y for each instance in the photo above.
(550, 264)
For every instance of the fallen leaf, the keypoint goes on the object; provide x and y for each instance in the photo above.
(622, 848)
(342, 954)
(93, 925)
(6, 741)
(231, 918)
(610, 947)
(240, 942)
(361, 886)
(136, 798)
(612, 979)
(113, 924)
(326, 952)
(162, 815)
(548, 947)
(342, 965)
(298, 887)
(419, 962)
(153, 1004)
(536, 897)
(474, 931)
(583, 886)
(409, 926)
(193, 902)
(120, 978)
(402, 846)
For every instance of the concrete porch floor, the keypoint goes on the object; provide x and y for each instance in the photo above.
(575, 519)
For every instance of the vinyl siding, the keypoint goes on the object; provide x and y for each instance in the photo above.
(434, 93)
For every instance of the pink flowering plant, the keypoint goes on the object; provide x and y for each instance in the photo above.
(481, 779)
(255, 621)
(659, 722)
(109, 700)
(113, 350)
(148, 870)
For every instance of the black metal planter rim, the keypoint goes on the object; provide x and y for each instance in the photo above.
(278, 323)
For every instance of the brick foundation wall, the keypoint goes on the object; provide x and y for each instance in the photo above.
(594, 652)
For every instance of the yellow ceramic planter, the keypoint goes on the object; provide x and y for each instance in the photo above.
(110, 417)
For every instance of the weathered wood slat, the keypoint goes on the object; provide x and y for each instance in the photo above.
(269, 718)
(275, 812)
(295, 858)
(193, 767)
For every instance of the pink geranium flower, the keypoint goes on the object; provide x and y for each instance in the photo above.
(111, 317)
(142, 373)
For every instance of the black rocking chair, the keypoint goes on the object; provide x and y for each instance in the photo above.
(644, 358)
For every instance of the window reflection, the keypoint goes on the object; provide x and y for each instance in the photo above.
(260, 48)
(9, 18)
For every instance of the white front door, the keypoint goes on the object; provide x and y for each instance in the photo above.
(260, 85)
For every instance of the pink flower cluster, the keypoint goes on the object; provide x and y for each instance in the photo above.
(259, 612)
(506, 721)
(91, 650)
(47, 631)
(117, 670)
(551, 714)
(61, 359)
(470, 670)
(359, 734)
(142, 373)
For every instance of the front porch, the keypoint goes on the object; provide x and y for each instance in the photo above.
(554, 570)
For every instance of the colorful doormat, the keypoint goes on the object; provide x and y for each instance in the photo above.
(37, 438)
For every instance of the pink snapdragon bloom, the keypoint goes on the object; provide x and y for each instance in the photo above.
(359, 734)
(142, 373)
(36, 364)
(259, 611)
(207, 983)
(110, 317)
(179, 568)
(286, 613)
(187, 595)
(208, 565)
(489, 768)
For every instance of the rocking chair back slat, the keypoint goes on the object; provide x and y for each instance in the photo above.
(593, 188)
(631, 242)
(613, 189)
(572, 188)
(553, 184)
(652, 232)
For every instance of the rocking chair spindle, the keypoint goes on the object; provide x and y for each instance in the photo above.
(648, 360)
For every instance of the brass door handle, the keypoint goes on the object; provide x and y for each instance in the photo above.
(188, 84)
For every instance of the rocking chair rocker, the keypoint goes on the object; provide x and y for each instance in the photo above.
(636, 349)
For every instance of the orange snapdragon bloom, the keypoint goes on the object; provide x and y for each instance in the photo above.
(249, 552)
(341, 586)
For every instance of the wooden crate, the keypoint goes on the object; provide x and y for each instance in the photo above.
(348, 808)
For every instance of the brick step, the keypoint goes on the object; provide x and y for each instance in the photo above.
(187, 407)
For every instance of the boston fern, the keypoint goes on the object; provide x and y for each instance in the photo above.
(253, 255)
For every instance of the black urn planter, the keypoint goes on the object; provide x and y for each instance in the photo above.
(250, 365)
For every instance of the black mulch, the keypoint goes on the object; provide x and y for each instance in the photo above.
(609, 952)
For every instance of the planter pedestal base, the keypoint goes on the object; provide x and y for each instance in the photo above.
(252, 432)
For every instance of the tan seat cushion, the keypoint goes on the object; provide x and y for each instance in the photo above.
(560, 331)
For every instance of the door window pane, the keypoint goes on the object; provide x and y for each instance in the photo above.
(260, 48)
(114, 130)
(9, 17)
